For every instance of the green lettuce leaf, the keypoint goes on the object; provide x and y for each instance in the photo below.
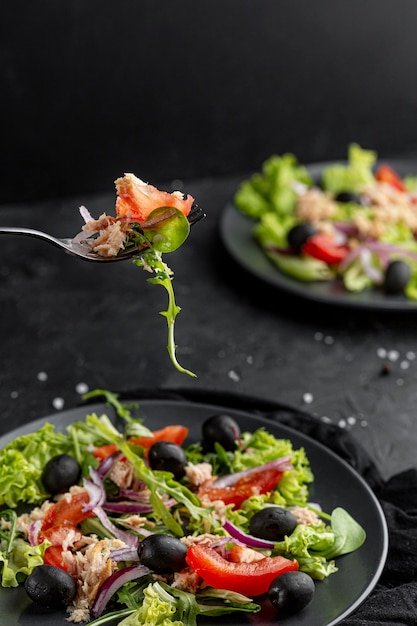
(22, 462)
(303, 268)
(353, 176)
(164, 606)
(19, 561)
(272, 190)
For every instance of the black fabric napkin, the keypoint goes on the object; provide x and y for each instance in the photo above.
(394, 599)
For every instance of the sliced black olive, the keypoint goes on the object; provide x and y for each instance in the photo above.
(291, 592)
(397, 275)
(272, 523)
(348, 196)
(60, 473)
(222, 429)
(299, 234)
(50, 586)
(169, 457)
(163, 554)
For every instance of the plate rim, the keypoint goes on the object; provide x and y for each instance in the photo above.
(65, 417)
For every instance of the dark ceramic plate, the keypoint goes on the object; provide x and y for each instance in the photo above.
(336, 484)
(236, 233)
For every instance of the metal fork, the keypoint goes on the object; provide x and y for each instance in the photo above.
(82, 250)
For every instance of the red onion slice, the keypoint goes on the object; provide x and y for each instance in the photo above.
(374, 273)
(382, 249)
(107, 463)
(85, 214)
(124, 554)
(33, 533)
(127, 507)
(141, 495)
(113, 583)
(121, 506)
(248, 540)
(128, 538)
(281, 464)
(95, 489)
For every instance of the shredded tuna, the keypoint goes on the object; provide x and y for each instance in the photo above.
(243, 554)
(206, 539)
(186, 580)
(112, 234)
(90, 568)
(122, 474)
(304, 515)
(135, 521)
(25, 520)
(198, 473)
(315, 206)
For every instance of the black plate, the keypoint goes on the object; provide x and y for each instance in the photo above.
(236, 233)
(336, 484)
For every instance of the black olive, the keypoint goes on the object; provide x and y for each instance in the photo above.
(397, 275)
(291, 592)
(163, 554)
(50, 586)
(299, 234)
(348, 196)
(272, 523)
(60, 473)
(221, 429)
(169, 457)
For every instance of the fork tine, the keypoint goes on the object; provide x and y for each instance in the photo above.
(196, 214)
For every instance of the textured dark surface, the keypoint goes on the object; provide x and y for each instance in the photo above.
(175, 89)
(65, 322)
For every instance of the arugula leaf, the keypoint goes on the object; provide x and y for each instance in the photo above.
(214, 602)
(122, 410)
(152, 262)
(134, 427)
(158, 482)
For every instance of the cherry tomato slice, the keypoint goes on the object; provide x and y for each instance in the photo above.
(53, 556)
(67, 512)
(386, 174)
(57, 534)
(102, 452)
(174, 433)
(251, 579)
(253, 485)
(322, 247)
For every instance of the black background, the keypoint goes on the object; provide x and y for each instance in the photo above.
(174, 89)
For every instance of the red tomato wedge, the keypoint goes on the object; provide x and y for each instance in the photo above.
(53, 556)
(57, 534)
(252, 485)
(137, 199)
(323, 247)
(174, 433)
(103, 452)
(251, 579)
(67, 512)
(386, 174)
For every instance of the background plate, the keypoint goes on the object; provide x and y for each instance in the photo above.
(236, 233)
(336, 484)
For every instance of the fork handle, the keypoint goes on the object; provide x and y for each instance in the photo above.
(29, 232)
